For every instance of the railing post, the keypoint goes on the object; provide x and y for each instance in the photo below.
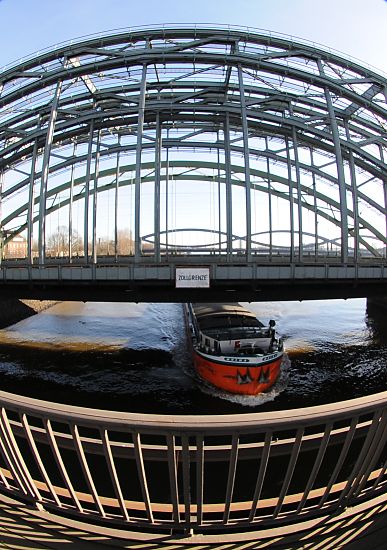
(172, 468)
(15, 459)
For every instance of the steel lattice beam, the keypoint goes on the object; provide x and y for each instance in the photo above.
(299, 136)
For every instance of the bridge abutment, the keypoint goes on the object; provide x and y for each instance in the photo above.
(14, 310)
(379, 302)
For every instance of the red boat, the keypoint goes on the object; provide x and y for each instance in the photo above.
(232, 349)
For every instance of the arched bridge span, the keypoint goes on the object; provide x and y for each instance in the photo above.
(129, 156)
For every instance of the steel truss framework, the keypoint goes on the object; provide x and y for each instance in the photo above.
(193, 141)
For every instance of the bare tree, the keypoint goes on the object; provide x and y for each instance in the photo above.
(58, 243)
(105, 246)
(125, 242)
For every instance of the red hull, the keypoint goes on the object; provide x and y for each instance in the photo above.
(240, 379)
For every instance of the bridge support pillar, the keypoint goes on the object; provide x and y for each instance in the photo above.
(379, 302)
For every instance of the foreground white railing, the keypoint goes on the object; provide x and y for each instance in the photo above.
(225, 474)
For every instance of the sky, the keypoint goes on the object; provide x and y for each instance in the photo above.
(354, 27)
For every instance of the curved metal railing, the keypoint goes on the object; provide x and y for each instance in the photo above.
(223, 474)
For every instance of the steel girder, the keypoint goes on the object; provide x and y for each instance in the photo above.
(243, 132)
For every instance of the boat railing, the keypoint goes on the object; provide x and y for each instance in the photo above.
(238, 333)
(223, 474)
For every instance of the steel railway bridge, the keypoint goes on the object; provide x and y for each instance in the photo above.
(126, 156)
(251, 159)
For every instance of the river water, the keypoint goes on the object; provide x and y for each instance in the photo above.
(134, 357)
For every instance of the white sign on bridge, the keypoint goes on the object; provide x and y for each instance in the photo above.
(192, 277)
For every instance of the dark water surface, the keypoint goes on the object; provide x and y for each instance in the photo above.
(133, 357)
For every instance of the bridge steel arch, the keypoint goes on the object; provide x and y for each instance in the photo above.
(178, 146)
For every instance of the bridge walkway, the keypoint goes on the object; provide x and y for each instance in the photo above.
(26, 528)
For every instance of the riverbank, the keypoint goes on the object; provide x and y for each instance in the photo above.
(12, 311)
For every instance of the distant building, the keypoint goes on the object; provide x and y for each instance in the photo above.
(16, 248)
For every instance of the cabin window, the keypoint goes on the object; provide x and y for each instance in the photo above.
(207, 342)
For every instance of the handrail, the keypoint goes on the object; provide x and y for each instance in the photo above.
(194, 473)
(215, 423)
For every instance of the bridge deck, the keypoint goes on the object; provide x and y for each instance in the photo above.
(131, 279)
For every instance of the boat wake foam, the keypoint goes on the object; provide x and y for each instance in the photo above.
(251, 400)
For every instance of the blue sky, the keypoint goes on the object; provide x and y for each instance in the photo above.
(354, 27)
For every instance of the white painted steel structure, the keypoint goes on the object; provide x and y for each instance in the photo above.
(227, 478)
(172, 146)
